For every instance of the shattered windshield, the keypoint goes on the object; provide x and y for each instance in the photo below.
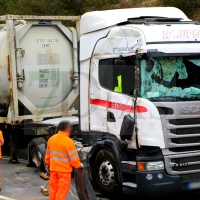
(171, 78)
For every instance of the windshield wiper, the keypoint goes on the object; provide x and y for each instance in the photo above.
(168, 98)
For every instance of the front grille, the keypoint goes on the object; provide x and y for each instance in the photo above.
(186, 140)
(183, 163)
(190, 177)
(185, 159)
(188, 168)
(180, 131)
(184, 149)
(182, 137)
(185, 121)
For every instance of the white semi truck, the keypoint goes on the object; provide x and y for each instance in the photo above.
(139, 89)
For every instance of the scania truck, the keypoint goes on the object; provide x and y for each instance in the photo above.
(139, 94)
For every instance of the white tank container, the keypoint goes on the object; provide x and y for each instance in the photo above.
(44, 56)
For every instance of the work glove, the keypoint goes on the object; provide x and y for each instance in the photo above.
(82, 165)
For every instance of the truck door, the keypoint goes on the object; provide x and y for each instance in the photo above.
(119, 105)
(120, 96)
(116, 80)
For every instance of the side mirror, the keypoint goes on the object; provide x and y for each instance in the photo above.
(150, 64)
(127, 127)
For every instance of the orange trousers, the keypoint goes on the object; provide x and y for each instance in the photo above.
(59, 185)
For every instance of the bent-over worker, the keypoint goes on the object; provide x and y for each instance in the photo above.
(60, 157)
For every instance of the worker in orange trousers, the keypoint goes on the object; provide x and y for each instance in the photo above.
(61, 156)
(1, 144)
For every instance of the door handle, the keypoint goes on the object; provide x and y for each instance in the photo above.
(111, 117)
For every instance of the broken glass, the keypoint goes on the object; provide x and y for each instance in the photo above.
(169, 77)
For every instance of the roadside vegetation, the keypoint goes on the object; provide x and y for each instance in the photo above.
(78, 7)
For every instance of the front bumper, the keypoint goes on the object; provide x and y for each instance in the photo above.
(168, 184)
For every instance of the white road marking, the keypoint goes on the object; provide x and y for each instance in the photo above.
(5, 198)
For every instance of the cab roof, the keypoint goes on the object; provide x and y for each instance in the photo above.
(93, 21)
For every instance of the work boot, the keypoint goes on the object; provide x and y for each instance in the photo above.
(15, 161)
(13, 158)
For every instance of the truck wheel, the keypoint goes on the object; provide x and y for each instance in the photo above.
(37, 152)
(107, 173)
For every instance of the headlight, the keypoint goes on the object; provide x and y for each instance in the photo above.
(150, 166)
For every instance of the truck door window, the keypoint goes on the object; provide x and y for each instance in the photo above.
(117, 78)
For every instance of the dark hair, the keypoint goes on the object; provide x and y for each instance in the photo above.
(63, 125)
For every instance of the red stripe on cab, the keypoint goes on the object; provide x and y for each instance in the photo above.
(117, 106)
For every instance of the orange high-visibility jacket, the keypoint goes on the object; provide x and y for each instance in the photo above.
(1, 142)
(61, 154)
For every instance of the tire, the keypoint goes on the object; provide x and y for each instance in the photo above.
(107, 174)
(37, 152)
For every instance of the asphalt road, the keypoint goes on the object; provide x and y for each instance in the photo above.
(22, 183)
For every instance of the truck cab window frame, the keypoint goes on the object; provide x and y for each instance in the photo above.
(110, 73)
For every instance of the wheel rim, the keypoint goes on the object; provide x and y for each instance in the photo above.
(36, 157)
(106, 174)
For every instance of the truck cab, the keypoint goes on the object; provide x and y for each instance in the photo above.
(139, 100)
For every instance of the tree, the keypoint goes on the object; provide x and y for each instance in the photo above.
(79, 7)
(75, 7)
(187, 6)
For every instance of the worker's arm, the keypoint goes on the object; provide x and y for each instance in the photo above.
(73, 155)
(1, 139)
(47, 156)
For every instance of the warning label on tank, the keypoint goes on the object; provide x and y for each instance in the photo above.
(49, 78)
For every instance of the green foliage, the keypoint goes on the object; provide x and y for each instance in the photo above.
(40, 7)
(74, 7)
(79, 7)
(187, 6)
(30, 7)
(53, 7)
